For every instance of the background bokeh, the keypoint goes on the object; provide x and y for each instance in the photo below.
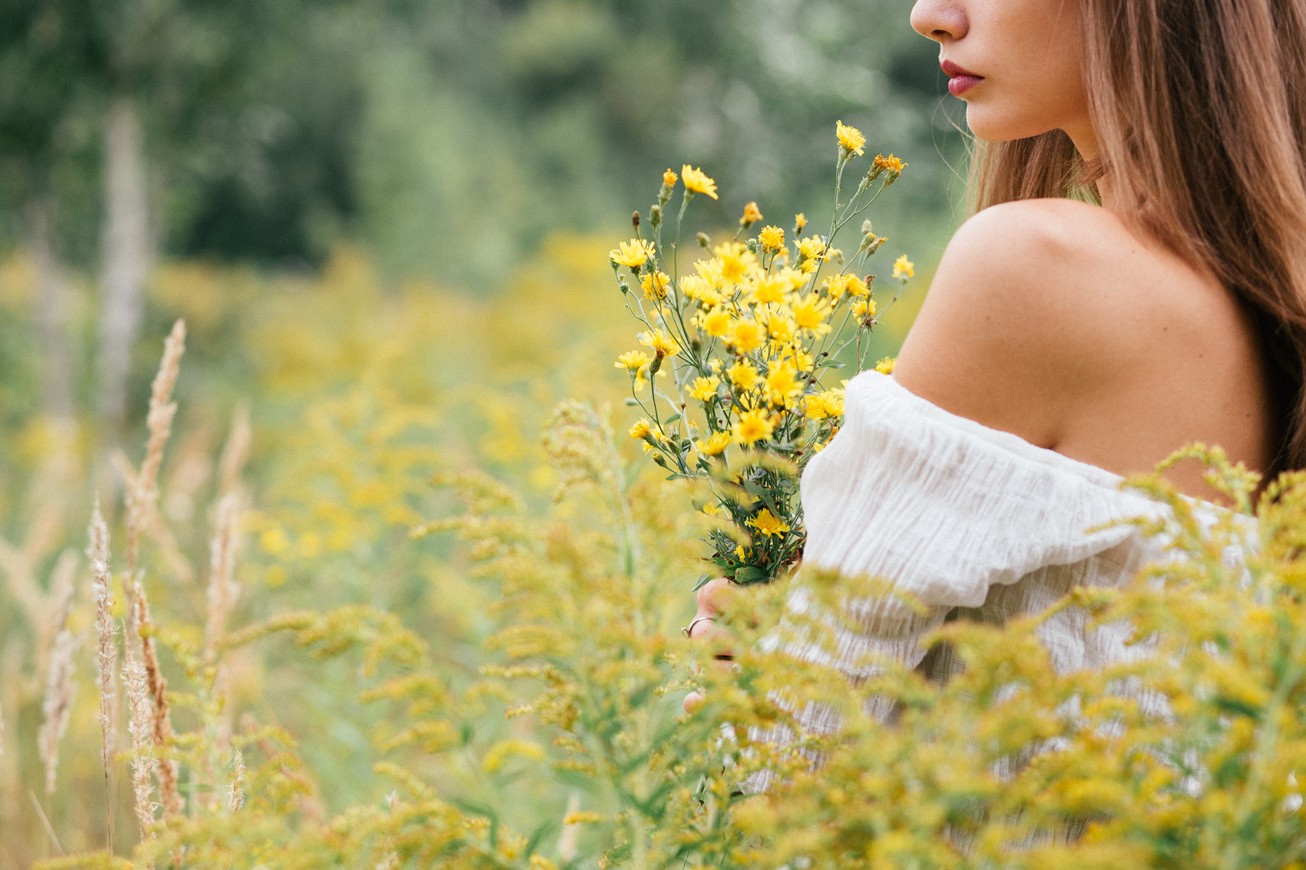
(386, 226)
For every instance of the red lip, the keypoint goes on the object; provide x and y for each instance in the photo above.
(959, 80)
(951, 70)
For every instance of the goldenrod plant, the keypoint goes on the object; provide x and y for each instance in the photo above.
(396, 618)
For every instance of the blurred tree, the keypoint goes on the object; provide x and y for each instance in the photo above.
(42, 99)
(450, 136)
(489, 124)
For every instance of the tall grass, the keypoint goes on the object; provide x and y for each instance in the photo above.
(432, 622)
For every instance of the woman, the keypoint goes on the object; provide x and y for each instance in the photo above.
(1134, 279)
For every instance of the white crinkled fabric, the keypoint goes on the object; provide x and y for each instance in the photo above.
(974, 523)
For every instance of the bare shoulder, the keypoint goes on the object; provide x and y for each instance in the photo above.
(1039, 306)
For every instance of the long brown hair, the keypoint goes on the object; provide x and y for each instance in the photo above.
(1199, 107)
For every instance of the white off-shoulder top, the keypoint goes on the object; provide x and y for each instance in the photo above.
(971, 521)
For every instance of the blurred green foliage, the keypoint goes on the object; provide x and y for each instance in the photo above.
(451, 137)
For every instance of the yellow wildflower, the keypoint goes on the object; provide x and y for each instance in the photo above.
(769, 288)
(700, 289)
(837, 285)
(752, 214)
(669, 178)
(800, 221)
(634, 360)
(704, 388)
(753, 426)
(711, 509)
(768, 523)
(811, 314)
(655, 285)
(663, 345)
(735, 260)
(824, 405)
(641, 430)
(890, 164)
(904, 268)
(713, 446)
(274, 541)
(716, 322)
(864, 309)
(810, 248)
(743, 375)
(745, 336)
(696, 181)
(886, 364)
(771, 238)
(779, 323)
(795, 278)
(851, 140)
(782, 385)
(632, 254)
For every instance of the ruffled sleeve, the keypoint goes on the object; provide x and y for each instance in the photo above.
(946, 509)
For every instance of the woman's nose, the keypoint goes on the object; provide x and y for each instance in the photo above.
(940, 20)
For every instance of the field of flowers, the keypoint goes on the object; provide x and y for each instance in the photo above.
(387, 584)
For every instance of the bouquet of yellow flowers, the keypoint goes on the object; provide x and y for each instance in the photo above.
(747, 334)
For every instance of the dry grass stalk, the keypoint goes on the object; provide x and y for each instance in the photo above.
(569, 839)
(222, 590)
(236, 797)
(151, 521)
(21, 581)
(57, 703)
(161, 715)
(142, 495)
(140, 727)
(235, 452)
(106, 659)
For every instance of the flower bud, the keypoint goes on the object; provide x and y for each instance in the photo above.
(704, 241)
(872, 243)
(634, 219)
(752, 214)
(655, 215)
(668, 184)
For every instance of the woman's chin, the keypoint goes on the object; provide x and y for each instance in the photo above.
(987, 125)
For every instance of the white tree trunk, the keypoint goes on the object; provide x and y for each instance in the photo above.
(53, 304)
(127, 254)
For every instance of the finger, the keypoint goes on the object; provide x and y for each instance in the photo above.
(693, 701)
(714, 596)
(719, 640)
